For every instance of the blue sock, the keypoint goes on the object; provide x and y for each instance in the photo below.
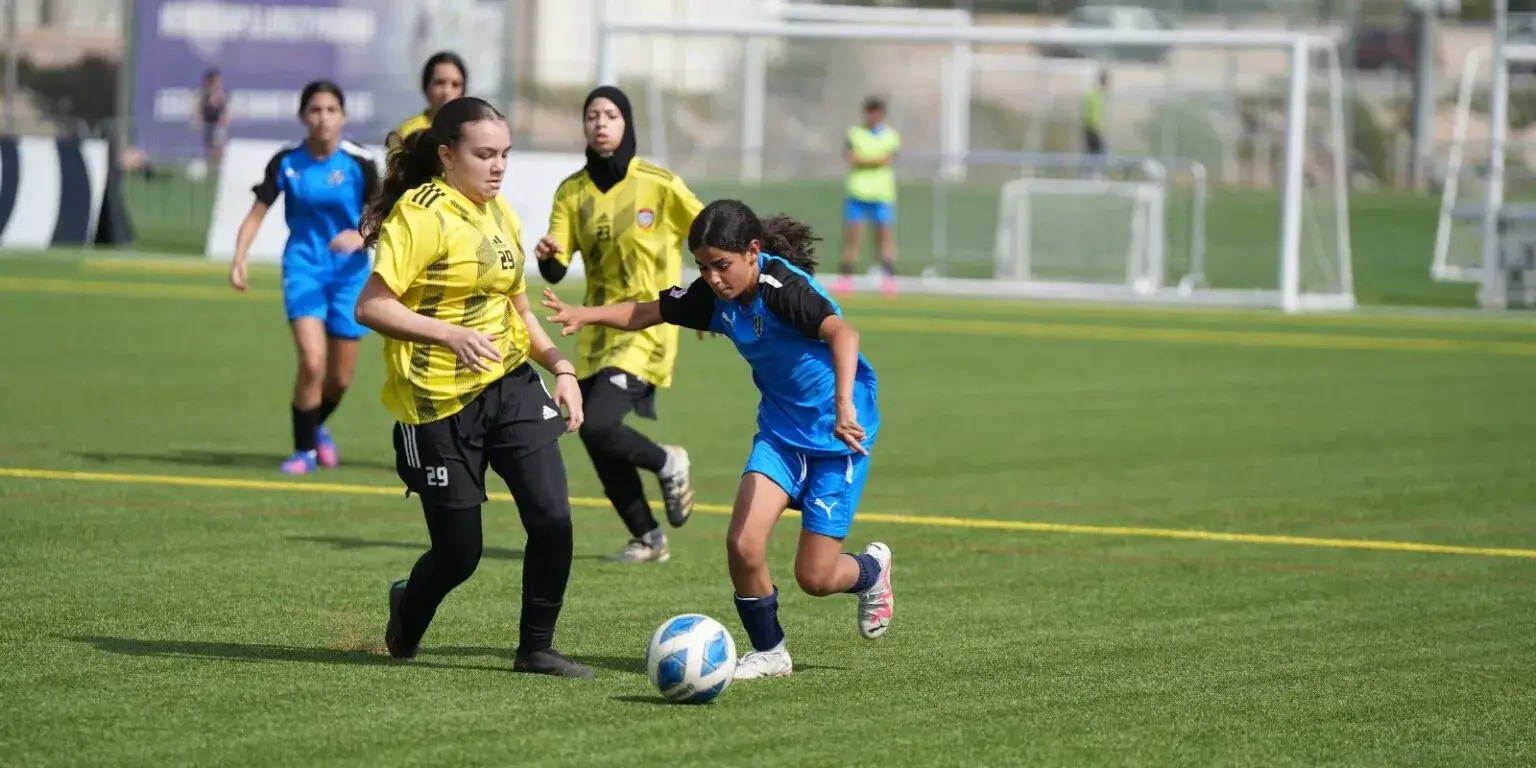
(760, 617)
(869, 572)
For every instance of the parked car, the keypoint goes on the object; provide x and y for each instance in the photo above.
(1123, 17)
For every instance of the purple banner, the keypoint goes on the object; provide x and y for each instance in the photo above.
(266, 50)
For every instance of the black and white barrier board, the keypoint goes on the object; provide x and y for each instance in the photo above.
(51, 190)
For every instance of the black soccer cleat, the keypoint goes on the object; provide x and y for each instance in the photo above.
(548, 662)
(392, 629)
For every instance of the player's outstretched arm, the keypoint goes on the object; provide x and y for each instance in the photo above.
(379, 308)
(625, 316)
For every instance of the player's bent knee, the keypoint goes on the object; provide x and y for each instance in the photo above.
(745, 552)
(597, 433)
(457, 564)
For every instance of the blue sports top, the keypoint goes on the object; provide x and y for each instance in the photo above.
(322, 197)
(778, 333)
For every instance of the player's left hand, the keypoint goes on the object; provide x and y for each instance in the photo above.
(568, 394)
(848, 429)
(349, 241)
(564, 315)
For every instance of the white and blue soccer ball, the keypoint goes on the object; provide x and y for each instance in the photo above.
(692, 659)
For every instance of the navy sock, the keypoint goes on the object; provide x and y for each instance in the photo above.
(869, 572)
(760, 617)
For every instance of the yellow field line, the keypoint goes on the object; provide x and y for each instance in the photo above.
(167, 266)
(131, 290)
(230, 483)
(1462, 321)
(1193, 336)
(1384, 318)
(1274, 339)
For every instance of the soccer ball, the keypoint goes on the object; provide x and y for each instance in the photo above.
(691, 659)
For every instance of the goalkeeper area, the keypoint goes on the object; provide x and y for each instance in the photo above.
(995, 196)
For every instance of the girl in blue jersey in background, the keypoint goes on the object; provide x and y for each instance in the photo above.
(325, 183)
(816, 422)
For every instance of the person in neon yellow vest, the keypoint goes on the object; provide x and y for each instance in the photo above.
(871, 189)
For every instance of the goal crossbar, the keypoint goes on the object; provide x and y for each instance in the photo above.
(1298, 44)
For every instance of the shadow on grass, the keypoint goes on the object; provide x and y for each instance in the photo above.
(255, 652)
(242, 459)
(626, 664)
(346, 543)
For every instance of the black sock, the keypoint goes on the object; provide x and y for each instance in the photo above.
(889, 265)
(304, 425)
(760, 617)
(847, 270)
(328, 407)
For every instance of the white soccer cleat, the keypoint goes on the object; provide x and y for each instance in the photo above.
(773, 662)
(877, 603)
(677, 486)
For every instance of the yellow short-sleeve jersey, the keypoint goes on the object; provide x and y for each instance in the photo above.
(631, 242)
(412, 124)
(448, 258)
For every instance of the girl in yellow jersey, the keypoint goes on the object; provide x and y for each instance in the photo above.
(443, 79)
(628, 219)
(448, 294)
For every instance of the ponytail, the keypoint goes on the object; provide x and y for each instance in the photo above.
(731, 226)
(415, 163)
(417, 160)
(791, 240)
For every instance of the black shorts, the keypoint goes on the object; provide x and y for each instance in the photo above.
(608, 395)
(444, 461)
(1094, 142)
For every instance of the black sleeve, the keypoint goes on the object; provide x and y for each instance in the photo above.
(691, 307)
(792, 298)
(370, 177)
(271, 180)
(552, 270)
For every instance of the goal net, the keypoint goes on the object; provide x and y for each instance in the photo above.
(1252, 209)
(1075, 233)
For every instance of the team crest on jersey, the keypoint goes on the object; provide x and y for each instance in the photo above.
(645, 218)
(336, 177)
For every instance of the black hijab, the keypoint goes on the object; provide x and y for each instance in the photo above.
(610, 170)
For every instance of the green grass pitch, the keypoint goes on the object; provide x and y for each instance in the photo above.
(1125, 537)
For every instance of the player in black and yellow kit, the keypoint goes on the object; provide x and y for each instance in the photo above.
(628, 218)
(448, 294)
(443, 79)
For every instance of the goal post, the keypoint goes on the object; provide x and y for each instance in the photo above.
(1291, 223)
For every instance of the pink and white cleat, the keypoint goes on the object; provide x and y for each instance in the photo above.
(877, 603)
(325, 448)
(843, 284)
(300, 463)
(888, 287)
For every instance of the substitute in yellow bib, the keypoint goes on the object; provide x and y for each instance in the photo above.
(443, 79)
(448, 294)
(870, 150)
(628, 219)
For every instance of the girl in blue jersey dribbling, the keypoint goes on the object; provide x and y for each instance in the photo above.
(325, 182)
(816, 422)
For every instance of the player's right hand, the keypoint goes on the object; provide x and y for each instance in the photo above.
(472, 347)
(237, 276)
(564, 315)
(546, 248)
